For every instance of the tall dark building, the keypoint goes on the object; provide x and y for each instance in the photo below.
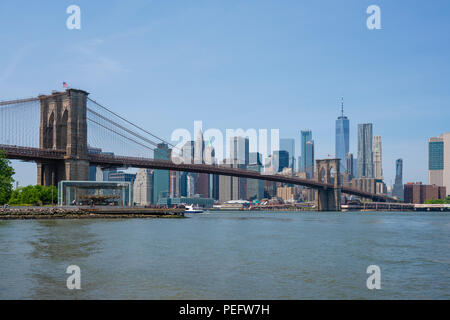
(203, 185)
(289, 146)
(350, 165)
(307, 151)
(183, 184)
(281, 160)
(365, 155)
(397, 190)
(161, 178)
(214, 186)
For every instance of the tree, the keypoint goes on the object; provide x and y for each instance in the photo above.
(6, 178)
(34, 195)
(436, 201)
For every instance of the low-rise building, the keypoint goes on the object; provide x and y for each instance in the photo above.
(419, 193)
(371, 185)
(287, 193)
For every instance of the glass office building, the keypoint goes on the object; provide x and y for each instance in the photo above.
(436, 165)
(342, 140)
(239, 150)
(280, 160)
(289, 146)
(307, 156)
(397, 190)
(365, 155)
(436, 155)
(161, 178)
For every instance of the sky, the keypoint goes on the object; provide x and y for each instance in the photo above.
(243, 64)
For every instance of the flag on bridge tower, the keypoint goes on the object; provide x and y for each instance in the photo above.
(65, 85)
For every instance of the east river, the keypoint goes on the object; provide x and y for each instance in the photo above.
(251, 255)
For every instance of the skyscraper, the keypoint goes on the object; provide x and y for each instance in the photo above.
(190, 185)
(161, 178)
(342, 138)
(209, 154)
(143, 187)
(188, 152)
(240, 153)
(183, 184)
(377, 158)
(214, 186)
(307, 150)
(350, 168)
(289, 146)
(365, 156)
(397, 190)
(199, 148)
(280, 160)
(439, 161)
(175, 183)
(239, 150)
(202, 184)
(202, 179)
(255, 158)
(255, 188)
(225, 185)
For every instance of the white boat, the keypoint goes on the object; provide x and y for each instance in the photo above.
(192, 209)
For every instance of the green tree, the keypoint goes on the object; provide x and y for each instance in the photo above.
(6, 178)
(436, 201)
(47, 193)
(34, 195)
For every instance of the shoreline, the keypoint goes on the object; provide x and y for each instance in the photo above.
(86, 216)
(46, 213)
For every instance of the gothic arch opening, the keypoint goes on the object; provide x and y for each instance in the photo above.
(332, 175)
(322, 175)
(48, 144)
(62, 131)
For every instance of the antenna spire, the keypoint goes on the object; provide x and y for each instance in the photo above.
(342, 106)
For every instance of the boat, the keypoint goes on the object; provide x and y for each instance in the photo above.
(192, 209)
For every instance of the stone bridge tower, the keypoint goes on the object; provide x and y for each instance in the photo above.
(328, 172)
(63, 127)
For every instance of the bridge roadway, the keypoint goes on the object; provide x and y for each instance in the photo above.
(37, 154)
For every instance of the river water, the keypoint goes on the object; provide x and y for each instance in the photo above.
(252, 255)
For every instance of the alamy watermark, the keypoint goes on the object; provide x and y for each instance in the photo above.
(74, 280)
(211, 146)
(374, 20)
(73, 22)
(374, 280)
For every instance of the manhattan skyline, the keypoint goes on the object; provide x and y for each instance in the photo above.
(224, 64)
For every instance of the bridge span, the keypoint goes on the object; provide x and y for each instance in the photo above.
(62, 151)
(37, 154)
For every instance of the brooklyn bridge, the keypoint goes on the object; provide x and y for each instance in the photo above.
(55, 130)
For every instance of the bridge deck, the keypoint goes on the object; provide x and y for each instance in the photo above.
(36, 154)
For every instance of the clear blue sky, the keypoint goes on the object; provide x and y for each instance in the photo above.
(243, 64)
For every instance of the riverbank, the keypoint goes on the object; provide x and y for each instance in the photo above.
(27, 213)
